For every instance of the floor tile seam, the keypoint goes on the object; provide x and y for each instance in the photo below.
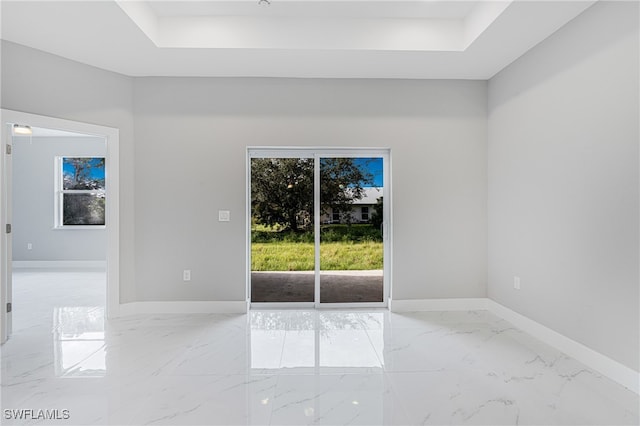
(379, 356)
(274, 395)
(284, 342)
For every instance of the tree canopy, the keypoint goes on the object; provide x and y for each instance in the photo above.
(78, 176)
(282, 189)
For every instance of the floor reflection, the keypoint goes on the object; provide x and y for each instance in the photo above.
(286, 367)
(299, 340)
(78, 341)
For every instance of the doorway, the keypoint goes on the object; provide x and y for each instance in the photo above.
(318, 227)
(75, 208)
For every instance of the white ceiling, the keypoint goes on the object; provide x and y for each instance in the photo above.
(319, 9)
(289, 38)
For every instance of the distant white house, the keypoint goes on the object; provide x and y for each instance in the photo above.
(361, 210)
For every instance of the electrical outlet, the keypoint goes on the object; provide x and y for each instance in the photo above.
(224, 215)
(516, 283)
(186, 275)
(29, 246)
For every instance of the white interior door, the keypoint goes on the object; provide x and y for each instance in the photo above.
(6, 240)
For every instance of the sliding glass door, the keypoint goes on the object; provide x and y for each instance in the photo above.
(282, 230)
(317, 227)
(351, 230)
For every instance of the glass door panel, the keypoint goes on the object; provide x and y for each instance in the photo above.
(282, 230)
(351, 230)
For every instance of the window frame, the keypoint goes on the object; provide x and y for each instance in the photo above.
(60, 192)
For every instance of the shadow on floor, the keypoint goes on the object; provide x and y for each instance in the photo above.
(335, 286)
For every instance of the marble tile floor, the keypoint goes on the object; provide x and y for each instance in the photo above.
(284, 367)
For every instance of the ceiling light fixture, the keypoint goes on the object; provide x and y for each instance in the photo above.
(22, 130)
(264, 2)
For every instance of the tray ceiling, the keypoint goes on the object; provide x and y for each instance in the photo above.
(289, 38)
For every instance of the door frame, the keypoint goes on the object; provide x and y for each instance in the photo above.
(111, 136)
(317, 153)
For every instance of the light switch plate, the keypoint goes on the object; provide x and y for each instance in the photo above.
(224, 216)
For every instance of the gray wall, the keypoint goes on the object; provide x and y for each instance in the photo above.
(33, 201)
(45, 84)
(183, 174)
(191, 139)
(563, 182)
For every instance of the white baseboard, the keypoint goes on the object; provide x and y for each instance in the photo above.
(610, 368)
(614, 370)
(58, 264)
(183, 307)
(417, 305)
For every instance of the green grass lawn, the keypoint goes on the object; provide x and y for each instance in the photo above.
(342, 248)
(328, 233)
(299, 256)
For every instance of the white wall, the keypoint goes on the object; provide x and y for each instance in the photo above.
(191, 139)
(45, 84)
(564, 182)
(33, 201)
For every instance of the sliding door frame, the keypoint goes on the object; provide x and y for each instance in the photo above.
(317, 153)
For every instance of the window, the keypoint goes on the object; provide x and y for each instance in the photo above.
(335, 216)
(365, 214)
(80, 191)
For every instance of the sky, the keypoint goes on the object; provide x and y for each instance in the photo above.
(95, 172)
(374, 166)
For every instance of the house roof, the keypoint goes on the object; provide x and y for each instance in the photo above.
(370, 196)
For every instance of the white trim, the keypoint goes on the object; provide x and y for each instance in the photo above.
(112, 140)
(352, 305)
(282, 305)
(184, 307)
(112, 221)
(59, 264)
(387, 229)
(417, 305)
(317, 213)
(247, 230)
(614, 370)
(79, 228)
(5, 239)
(310, 151)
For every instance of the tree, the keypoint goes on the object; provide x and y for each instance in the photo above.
(377, 216)
(282, 189)
(83, 209)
